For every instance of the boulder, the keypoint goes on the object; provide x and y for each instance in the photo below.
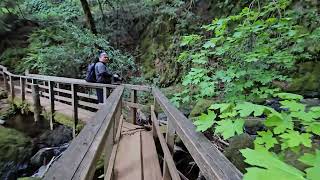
(232, 152)
(52, 138)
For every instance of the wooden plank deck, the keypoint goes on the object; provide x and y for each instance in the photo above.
(136, 157)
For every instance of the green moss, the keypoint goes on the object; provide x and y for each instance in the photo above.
(307, 78)
(29, 178)
(67, 121)
(201, 106)
(14, 146)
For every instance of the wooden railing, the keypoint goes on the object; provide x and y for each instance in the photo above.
(102, 133)
(212, 163)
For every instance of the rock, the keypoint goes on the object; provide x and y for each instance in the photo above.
(52, 138)
(252, 125)
(15, 150)
(232, 152)
(201, 106)
(310, 102)
(3, 94)
(42, 157)
(306, 80)
(2, 122)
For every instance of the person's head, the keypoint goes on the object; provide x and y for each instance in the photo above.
(103, 57)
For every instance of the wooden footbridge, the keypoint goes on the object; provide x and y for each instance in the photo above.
(128, 150)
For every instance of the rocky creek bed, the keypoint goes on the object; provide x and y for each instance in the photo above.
(26, 146)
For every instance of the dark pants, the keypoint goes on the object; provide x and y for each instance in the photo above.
(100, 95)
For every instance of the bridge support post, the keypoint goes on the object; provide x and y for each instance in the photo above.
(12, 93)
(51, 98)
(134, 110)
(5, 80)
(36, 102)
(74, 88)
(170, 142)
(23, 89)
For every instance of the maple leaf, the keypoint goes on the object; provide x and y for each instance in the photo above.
(304, 116)
(246, 108)
(266, 139)
(281, 124)
(228, 128)
(268, 166)
(292, 105)
(313, 127)
(313, 173)
(289, 96)
(221, 106)
(294, 138)
(205, 121)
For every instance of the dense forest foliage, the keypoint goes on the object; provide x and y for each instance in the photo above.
(225, 61)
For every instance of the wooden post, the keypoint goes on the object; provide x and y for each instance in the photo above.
(36, 102)
(170, 142)
(11, 88)
(75, 107)
(23, 88)
(153, 121)
(51, 98)
(134, 110)
(104, 94)
(5, 80)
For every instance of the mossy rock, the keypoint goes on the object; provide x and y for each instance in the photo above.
(15, 148)
(201, 106)
(3, 94)
(307, 79)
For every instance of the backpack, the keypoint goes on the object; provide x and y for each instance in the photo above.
(91, 74)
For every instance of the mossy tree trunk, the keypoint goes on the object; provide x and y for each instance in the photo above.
(89, 18)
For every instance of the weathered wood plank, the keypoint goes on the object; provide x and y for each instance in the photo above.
(69, 81)
(74, 97)
(79, 158)
(212, 163)
(51, 98)
(36, 102)
(133, 110)
(150, 161)
(170, 133)
(12, 92)
(128, 159)
(23, 89)
(109, 172)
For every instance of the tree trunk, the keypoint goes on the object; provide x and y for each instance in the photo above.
(89, 18)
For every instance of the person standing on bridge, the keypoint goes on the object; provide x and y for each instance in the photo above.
(103, 74)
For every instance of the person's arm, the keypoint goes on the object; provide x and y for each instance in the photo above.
(103, 71)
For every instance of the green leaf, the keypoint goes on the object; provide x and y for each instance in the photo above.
(246, 108)
(266, 139)
(268, 167)
(228, 128)
(205, 121)
(292, 105)
(304, 116)
(310, 159)
(313, 127)
(222, 106)
(313, 173)
(294, 138)
(281, 123)
(190, 40)
(289, 96)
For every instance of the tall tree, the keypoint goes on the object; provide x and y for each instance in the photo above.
(89, 18)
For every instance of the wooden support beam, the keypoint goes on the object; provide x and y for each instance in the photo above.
(109, 174)
(51, 99)
(5, 80)
(36, 102)
(134, 110)
(23, 88)
(171, 171)
(170, 142)
(74, 97)
(12, 93)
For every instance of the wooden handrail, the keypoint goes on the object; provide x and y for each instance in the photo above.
(212, 163)
(78, 161)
